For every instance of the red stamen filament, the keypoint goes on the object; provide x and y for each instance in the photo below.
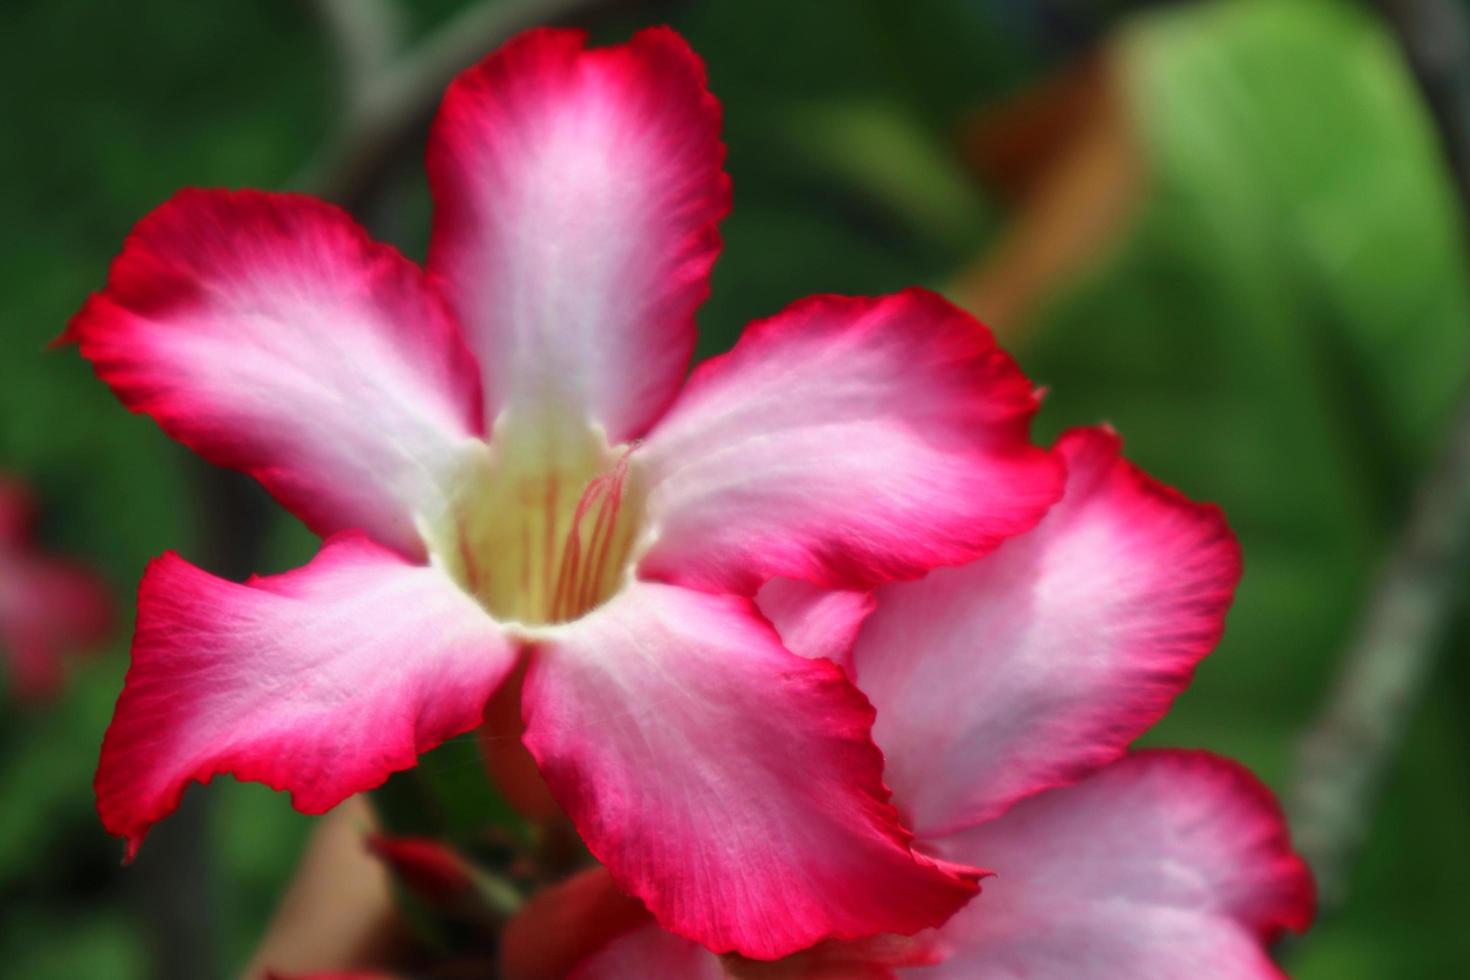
(583, 577)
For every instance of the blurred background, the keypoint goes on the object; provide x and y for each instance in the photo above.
(1226, 227)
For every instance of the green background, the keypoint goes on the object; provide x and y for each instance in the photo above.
(1281, 327)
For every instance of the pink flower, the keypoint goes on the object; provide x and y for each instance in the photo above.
(49, 607)
(501, 462)
(1007, 692)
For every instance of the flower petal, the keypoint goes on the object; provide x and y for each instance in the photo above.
(566, 923)
(728, 783)
(651, 952)
(268, 333)
(1038, 664)
(656, 952)
(321, 681)
(648, 951)
(846, 442)
(812, 621)
(576, 195)
(586, 922)
(509, 766)
(1163, 865)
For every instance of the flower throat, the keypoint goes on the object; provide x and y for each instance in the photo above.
(541, 537)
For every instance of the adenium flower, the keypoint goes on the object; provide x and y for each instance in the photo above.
(49, 606)
(1007, 693)
(499, 457)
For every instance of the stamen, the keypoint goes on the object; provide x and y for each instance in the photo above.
(525, 576)
(549, 548)
(602, 535)
(528, 549)
(582, 574)
(467, 559)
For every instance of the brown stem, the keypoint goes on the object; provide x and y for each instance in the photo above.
(366, 35)
(389, 108)
(1346, 752)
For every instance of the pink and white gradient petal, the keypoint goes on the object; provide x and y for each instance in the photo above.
(1163, 865)
(1040, 663)
(814, 622)
(576, 196)
(322, 681)
(845, 442)
(728, 783)
(268, 333)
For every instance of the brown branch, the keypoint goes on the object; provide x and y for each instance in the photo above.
(1066, 154)
(1347, 751)
(389, 108)
(366, 35)
(1435, 38)
(1348, 748)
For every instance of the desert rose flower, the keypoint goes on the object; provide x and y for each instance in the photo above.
(1007, 692)
(49, 606)
(499, 457)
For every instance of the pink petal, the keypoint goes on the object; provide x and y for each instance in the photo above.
(566, 923)
(726, 782)
(586, 922)
(845, 442)
(268, 333)
(509, 766)
(812, 621)
(1163, 865)
(321, 681)
(875, 958)
(576, 195)
(651, 952)
(1038, 664)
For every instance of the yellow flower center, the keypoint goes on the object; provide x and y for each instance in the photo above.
(545, 528)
